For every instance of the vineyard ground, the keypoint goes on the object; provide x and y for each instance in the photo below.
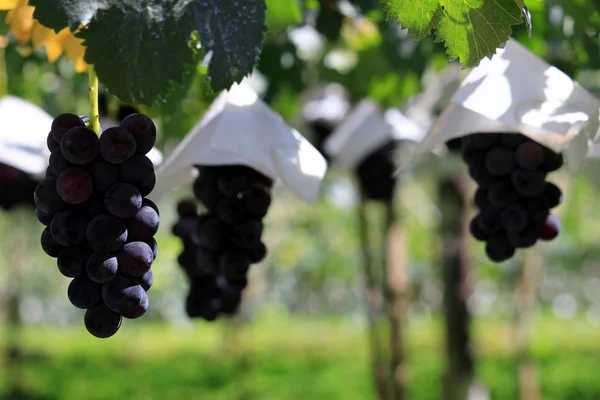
(285, 359)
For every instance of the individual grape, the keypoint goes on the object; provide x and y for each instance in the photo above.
(187, 259)
(84, 293)
(257, 253)
(207, 262)
(481, 176)
(489, 221)
(550, 228)
(528, 183)
(63, 123)
(210, 233)
(52, 144)
(513, 140)
(117, 145)
(476, 231)
(537, 208)
(524, 238)
(104, 174)
(200, 305)
(552, 194)
(501, 193)
(150, 242)
(232, 211)
(138, 170)
(122, 294)
(144, 224)
(498, 248)
(232, 186)
(74, 185)
(150, 203)
(44, 218)
(143, 130)
(140, 309)
(135, 259)
(482, 141)
(146, 189)
(247, 234)
(68, 228)
(57, 162)
(184, 227)
(257, 200)
(481, 198)
(146, 280)
(530, 155)
(123, 200)
(514, 217)
(187, 209)
(102, 267)
(205, 190)
(471, 154)
(499, 161)
(71, 261)
(79, 145)
(50, 245)
(234, 263)
(49, 173)
(106, 233)
(46, 197)
(101, 322)
(125, 111)
(552, 161)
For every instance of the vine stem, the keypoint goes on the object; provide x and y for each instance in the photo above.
(93, 92)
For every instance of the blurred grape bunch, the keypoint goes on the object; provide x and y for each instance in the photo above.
(22, 150)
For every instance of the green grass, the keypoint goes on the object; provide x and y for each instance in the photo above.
(284, 358)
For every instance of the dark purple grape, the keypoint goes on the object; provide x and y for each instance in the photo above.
(104, 174)
(211, 233)
(232, 186)
(499, 161)
(51, 143)
(552, 194)
(480, 175)
(117, 145)
(46, 197)
(530, 155)
(63, 123)
(200, 305)
(528, 183)
(232, 210)
(79, 145)
(146, 280)
(102, 267)
(68, 228)
(123, 200)
(57, 162)
(150, 203)
(482, 140)
(71, 261)
(49, 244)
(74, 185)
(550, 228)
(552, 160)
(537, 208)
(135, 259)
(144, 224)
(140, 309)
(513, 140)
(123, 294)
(205, 190)
(106, 233)
(257, 253)
(143, 130)
(489, 221)
(524, 238)
(481, 198)
(476, 231)
(498, 248)
(234, 263)
(138, 170)
(101, 322)
(146, 189)
(257, 200)
(84, 293)
(247, 234)
(44, 218)
(187, 209)
(502, 193)
(514, 217)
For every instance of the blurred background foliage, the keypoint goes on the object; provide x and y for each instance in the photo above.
(304, 335)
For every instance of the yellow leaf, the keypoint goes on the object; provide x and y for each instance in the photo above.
(21, 22)
(8, 4)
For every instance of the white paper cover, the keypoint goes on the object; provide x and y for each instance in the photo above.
(24, 128)
(239, 128)
(403, 128)
(515, 91)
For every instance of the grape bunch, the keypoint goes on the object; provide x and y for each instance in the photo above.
(221, 243)
(513, 195)
(98, 224)
(16, 188)
(376, 173)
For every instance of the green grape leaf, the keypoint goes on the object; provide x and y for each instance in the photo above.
(281, 14)
(470, 29)
(59, 14)
(231, 34)
(138, 50)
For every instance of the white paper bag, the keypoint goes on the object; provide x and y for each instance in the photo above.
(24, 128)
(515, 91)
(239, 128)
